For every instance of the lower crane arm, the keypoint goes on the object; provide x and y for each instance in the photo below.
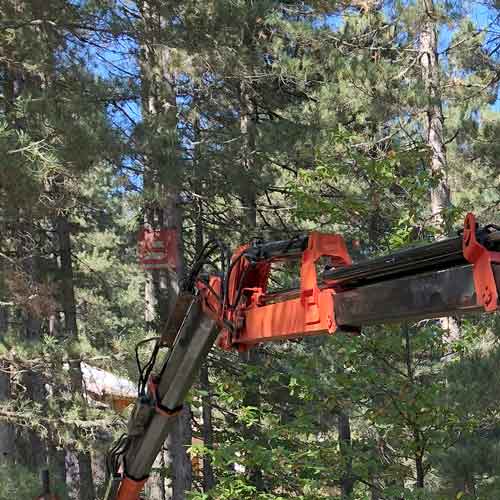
(449, 277)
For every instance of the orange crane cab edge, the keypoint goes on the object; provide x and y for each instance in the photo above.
(448, 277)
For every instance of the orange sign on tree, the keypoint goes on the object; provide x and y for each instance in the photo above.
(158, 248)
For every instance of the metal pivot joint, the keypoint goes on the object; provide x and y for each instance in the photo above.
(481, 259)
(247, 317)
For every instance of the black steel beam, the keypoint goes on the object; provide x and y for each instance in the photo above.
(448, 292)
(418, 259)
(276, 250)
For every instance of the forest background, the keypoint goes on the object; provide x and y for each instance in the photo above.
(243, 119)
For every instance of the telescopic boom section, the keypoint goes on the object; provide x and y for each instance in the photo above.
(448, 277)
(452, 276)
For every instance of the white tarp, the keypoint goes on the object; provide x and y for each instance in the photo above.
(102, 382)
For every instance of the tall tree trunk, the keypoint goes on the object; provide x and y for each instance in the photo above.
(7, 434)
(415, 429)
(375, 493)
(345, 445)
(252, 357)
(57, 467)
(177, 443)
(248, 133)
(161, 182)
(252, 398)
(179, 440)
(56, 452)
(208, 481)
(87, 491)
(207, 429)
(440, 193)
(30, 447)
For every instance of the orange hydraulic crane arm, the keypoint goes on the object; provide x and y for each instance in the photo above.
(453, 276)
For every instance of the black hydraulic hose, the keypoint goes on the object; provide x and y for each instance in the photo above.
(432, 256)
(277, 249)
(419, 259)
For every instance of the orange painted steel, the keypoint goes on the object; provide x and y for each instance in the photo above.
(253, 322)
(130, 489)
(211, 294)
(246, 280)
(320, 245)
(289, 319)
(481, 258)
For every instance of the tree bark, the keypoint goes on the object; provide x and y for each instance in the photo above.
(345, 445)
(7, 435)
(208, 480)
(375, 493)
(30, 448)
(252, 398)
(248, 133)
(163, 477)
(207, 429)
(440, 193)
(415, 429)
(72, 474)
(180, 464)
(68, 301)
(249, 196)
(57, 466)
(161, 181)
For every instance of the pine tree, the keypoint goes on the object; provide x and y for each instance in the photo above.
(49, 149)
(162, 180)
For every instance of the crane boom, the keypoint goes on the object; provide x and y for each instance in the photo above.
(449, 277)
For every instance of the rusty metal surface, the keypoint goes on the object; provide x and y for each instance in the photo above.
(429, 295)
(171, 328)
(193, 342)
